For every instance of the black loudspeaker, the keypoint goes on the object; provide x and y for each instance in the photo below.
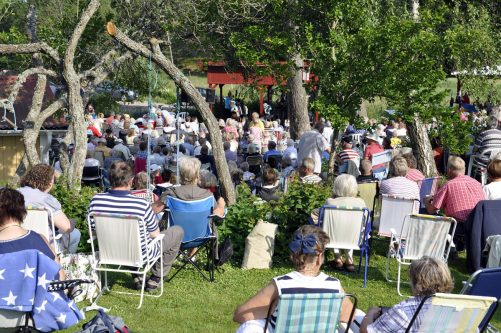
(210, 96)
(184, 97)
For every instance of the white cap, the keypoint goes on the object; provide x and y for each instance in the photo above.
(154, 167)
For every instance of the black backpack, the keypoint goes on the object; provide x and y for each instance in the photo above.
(225, 251)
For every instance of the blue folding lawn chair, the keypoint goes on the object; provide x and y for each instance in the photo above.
(427, 186)
(485, 282)
(195, 219)
(313, 312)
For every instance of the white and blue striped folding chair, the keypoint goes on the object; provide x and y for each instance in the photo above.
(420, 235)
(348, 229)
(120, 242)
(313, 312)
(452, 313)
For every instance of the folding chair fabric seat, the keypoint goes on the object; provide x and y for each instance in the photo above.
(348, 228)
(427, 186)
(120, 242)
(420, 235)
(34, 220)
(393, 211)
(368, 192)
(484, 282)
(452, 313)
(310, 312)
(194, 217)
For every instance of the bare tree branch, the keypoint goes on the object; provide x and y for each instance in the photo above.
(29, 49)
(97, 74)
(182, 81)
(21, 79)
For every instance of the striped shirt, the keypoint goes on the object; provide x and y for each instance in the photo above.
(414, 175)
(297, 283)
(400, 187)
(348, 154)
(310, 179)
(485, 141)
(398, 317)
(122, 202)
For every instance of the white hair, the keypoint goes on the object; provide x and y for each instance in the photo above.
(189, 170)
(345, 185)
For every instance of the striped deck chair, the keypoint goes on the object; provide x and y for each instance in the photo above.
(427, 186)
(348, 229)
(393, 211)
(34, 220)
(420, 235)
(452, 313)
(307, 312)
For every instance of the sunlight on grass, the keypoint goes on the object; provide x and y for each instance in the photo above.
(190, 304)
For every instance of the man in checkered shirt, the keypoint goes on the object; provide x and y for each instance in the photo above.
(458, 197)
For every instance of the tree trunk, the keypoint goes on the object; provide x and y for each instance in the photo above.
(332, 156)
(200, 104)
(297, 101)
(421, 145)
(75, 102)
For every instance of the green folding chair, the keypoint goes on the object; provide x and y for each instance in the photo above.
(314, 312)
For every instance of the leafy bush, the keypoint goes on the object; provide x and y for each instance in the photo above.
(241, 218)
(290, 212)
(75, 206)
(293, 211)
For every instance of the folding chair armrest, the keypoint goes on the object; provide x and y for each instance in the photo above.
(156, 239)
(58, 236)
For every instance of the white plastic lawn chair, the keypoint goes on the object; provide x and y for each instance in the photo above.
(119, 240)
(393, 211)
(452, 313)
(39, 219)
(421, 235)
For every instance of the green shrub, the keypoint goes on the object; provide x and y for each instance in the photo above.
(293, 211)
(290, 212)
(75, 206)
(241, 218)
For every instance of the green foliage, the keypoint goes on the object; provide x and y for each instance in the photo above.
(290, 212)
(75, 205)
(241, 218)
(293, 211)
(104, 103)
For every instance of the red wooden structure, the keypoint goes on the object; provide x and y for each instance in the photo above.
(218, 75)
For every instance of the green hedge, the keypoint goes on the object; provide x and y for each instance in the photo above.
(290, 212)
(75, 205)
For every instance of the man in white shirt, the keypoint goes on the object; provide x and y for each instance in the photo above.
(311, 145)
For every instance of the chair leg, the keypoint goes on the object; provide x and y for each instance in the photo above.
(366, 267)
(142, 290)
(398, 279)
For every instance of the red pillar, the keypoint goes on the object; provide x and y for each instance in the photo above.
(261, 100)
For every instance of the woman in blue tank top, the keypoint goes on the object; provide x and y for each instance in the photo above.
(13, 237)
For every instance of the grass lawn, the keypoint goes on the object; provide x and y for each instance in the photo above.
(190, 304)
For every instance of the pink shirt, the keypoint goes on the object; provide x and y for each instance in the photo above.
(414, 175)
(371, 150)
(458, 197)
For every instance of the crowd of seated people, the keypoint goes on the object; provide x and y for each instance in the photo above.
(181, 165)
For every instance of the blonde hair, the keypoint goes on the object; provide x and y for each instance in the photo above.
(141, 181)
(398, 167)
(456, 164)
(189, 170)
(428, 276)
(345, 185)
